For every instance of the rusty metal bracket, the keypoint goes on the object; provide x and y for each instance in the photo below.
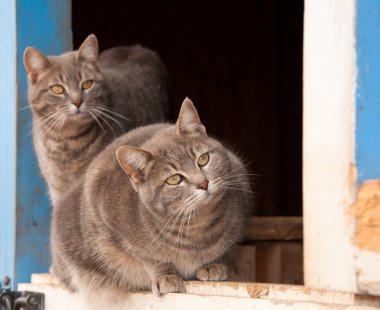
(11, 300)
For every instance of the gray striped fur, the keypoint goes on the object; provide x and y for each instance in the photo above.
(130, 88)
(122, 227)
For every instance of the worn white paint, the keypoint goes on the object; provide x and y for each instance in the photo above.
(368, 271)
(209, 295)
(328, 143)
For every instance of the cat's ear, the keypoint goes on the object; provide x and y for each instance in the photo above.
(35, 62)
(188, 123)
(89, 50)
(135, 163)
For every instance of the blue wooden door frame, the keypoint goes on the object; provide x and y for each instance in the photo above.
(367, 133)
(25, 207)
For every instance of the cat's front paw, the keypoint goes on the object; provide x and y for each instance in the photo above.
(167, 283)
(212, 272)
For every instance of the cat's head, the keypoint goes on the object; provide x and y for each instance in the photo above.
(181, 167)
(69, 85)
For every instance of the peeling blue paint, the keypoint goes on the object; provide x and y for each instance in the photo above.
(368, 90)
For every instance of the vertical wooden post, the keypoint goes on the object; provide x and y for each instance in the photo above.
(45, 25)
(329, 143)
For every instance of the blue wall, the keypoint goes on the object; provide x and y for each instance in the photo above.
(45, 25)
(8, 100)
(368, 90)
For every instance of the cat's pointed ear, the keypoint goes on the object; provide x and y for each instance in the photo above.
(135, 162)
(89, 50)
(35, 62)
(188, 123)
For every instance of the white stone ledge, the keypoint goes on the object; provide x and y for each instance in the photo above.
(210, 296)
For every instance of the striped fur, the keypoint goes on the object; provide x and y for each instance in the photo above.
(130, 88)
(122, 227)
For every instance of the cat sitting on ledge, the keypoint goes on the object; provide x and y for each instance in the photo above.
(161, 204)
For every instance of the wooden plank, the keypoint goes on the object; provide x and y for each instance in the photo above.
(275, 228)
(292, 263)
(242, 264)
(268, 263)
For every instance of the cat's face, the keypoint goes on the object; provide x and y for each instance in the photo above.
(67, 87)
(181, 170)
(185, 173)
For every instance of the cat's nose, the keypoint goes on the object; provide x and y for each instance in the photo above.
(77, 102)
(203, 185)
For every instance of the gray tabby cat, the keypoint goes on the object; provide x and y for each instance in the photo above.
(81, 102)
(169, 208)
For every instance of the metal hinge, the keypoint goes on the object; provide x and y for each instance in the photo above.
(11, 300)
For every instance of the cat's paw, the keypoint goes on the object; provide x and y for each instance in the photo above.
(168, 283)
(212, 272)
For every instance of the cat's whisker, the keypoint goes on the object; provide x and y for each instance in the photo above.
(178, 212)
(62, 124)
(182, 208)
(113, 112)
(188, 221)
(183, 221)
(241, 174)
(111, 118)
(56, 124)
(236, 175)
(240, 189)
(104, 120)
(51, 123)
(172, 214)
(94, 117)
(237, 181)
(191, 199)
(232, 171)
(40, 122)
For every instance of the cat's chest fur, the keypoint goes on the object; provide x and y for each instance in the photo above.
(64, 159)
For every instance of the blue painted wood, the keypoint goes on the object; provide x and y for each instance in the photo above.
(368, 90)
(8, 95)
(46, 25)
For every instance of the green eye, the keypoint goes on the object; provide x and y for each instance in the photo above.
(86, 84)
(57, 89)
(174, 179)
(203, 159)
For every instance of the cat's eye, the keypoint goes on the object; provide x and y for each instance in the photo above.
(174, 179)
(203, 159)
(57, 89)
(86, 84)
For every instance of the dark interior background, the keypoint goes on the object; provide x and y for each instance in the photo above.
(240, 63)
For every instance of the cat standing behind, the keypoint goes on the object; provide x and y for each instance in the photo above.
(169, 206)
(80, 103)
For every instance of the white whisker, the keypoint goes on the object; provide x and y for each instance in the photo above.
(111, 118)
(94, 117)
(104, 120)
(113, 112)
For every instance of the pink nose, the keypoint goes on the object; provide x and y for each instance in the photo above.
(203, 185)
(77, 102)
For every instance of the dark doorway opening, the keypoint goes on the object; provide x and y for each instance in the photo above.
(240, 63)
